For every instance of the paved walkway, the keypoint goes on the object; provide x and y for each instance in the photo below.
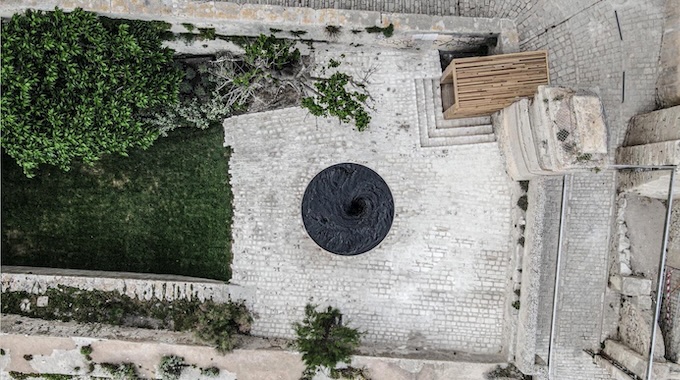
(62, 355)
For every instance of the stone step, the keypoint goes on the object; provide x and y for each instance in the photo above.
(436, 117)
(460, 140)
(454, 132)
(422, 113)
(452, 123)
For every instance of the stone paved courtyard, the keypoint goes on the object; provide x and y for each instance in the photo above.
(439, 279)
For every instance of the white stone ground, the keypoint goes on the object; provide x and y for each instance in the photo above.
(438, 280)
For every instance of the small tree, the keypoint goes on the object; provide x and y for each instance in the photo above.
(74, 88)
(324, 341)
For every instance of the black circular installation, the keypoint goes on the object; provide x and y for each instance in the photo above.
(347, 209)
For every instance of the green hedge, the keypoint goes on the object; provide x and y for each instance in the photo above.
(73, 87)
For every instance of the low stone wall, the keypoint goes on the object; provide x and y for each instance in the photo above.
(635, 363)
(142, 286)
(230, 19)
(652, 139)
(657, 126)
(538, 271)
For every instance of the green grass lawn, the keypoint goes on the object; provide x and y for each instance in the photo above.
(163, 210)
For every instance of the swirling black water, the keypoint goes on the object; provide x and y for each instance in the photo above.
(347, 209)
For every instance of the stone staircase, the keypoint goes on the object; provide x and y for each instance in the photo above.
(437, 132)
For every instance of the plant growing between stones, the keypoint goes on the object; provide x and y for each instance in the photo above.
(298, 33)
(43, 376)
(523, 202)
(341, 96)
(387, 31)
(74, 87)
(508, 371)
(324, 341)
(333, 30)
(524, 185)
(86, 351)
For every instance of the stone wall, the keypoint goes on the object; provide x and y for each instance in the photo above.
(657, 126)
(538, 273)
(232, 19)
(668, 84)
(652, 139)
(143, 286)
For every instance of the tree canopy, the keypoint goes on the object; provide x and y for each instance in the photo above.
(74, 86)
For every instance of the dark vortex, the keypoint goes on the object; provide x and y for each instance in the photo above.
(347, 209)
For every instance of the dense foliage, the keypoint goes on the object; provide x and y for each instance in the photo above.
(73, 87)
(324, 341)
(215, 323)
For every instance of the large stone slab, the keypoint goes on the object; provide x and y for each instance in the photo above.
(631, 285)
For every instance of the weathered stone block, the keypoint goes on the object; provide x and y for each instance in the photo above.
(631, 286)
(42, 301)
(653, 127)
(590, 124)
(632, 360)
(642, 302)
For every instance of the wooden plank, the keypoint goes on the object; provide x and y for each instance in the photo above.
(483, 85)
(447, 75)
(519, 55)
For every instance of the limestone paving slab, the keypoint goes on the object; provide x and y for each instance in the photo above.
(437, 281)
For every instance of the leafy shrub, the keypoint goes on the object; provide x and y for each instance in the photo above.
(269, 52)
(215, 323)
(334, 99)
(219, 324)
(86, 351)
(73, 88)
(214, 90)
(121, 371)
(210, 371)
(324, 341)
(171, 367)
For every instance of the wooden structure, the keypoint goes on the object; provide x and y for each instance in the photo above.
(479, 86)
